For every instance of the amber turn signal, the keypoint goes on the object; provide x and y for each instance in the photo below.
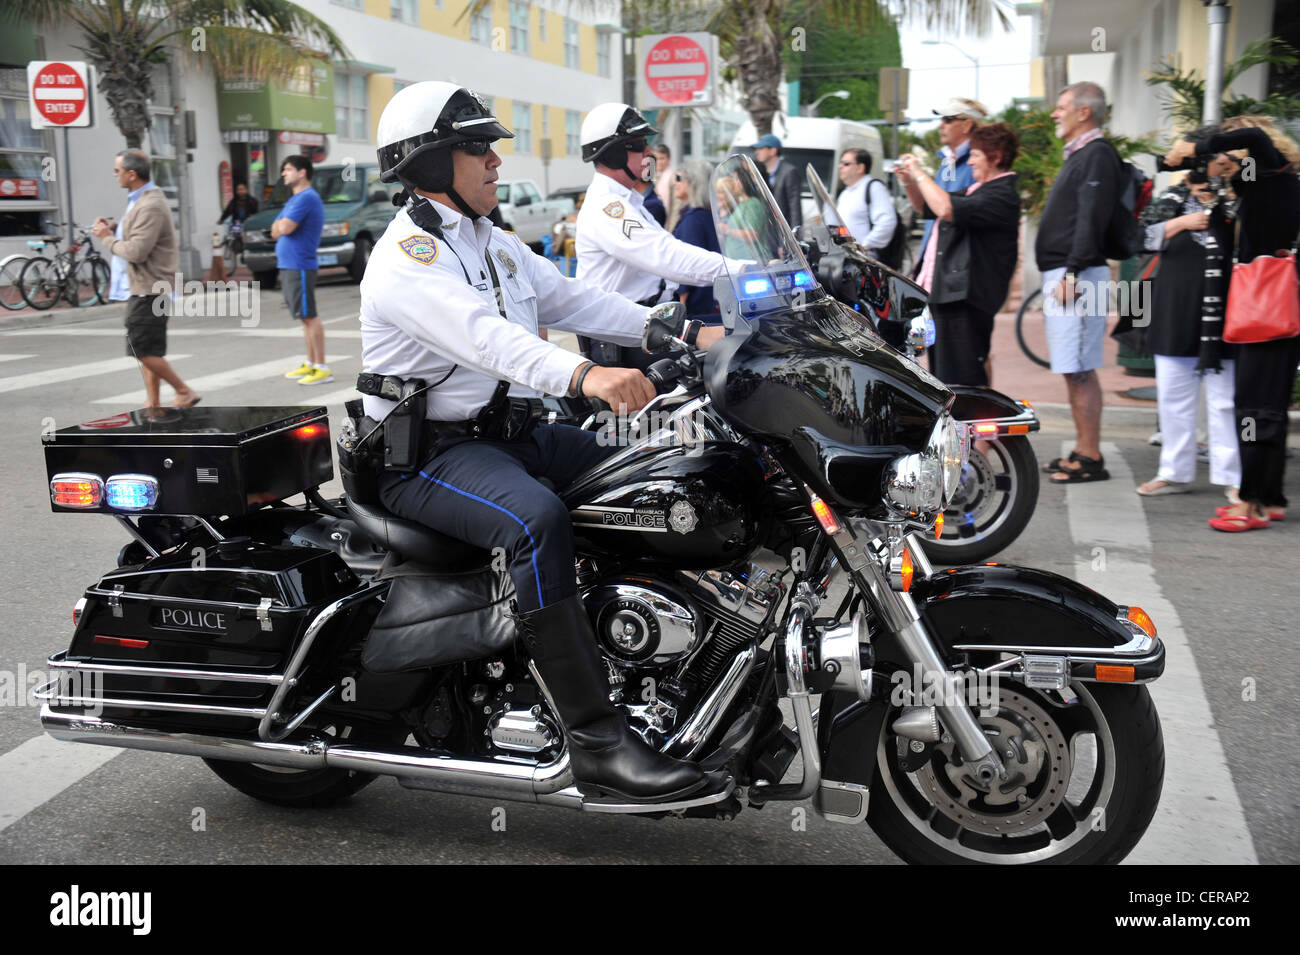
(1114, 674)
(1143, 619)
(938, 526)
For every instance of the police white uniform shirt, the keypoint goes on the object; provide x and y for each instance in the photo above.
(419, 316)
(621, 248)
(872, 225)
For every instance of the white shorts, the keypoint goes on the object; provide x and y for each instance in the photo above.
(1075, 332)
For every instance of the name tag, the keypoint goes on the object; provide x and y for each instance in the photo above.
(482, 286)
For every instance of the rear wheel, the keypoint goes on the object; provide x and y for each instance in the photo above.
(1083, 781)
(11, 292)
(298, 788)
(40, 284)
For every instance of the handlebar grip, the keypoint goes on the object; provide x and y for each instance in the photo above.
(664, 375)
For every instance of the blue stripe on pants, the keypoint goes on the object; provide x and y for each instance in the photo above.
(302, 287)
(474, 497)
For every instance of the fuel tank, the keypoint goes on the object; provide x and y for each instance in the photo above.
(695, 507)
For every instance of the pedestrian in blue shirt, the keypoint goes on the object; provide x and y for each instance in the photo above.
(297, 233)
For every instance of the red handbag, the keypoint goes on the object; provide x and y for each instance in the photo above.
(1263, 300)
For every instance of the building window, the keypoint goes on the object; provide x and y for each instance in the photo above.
(404, 11)
(571, 50)
(162, 141)
(351, 109)
(350, 4)
(480, 25)
(523, 126)
(572, 130)
(541, 25)
(546, 123)
(27, 197)
(602, 54)
(518, 27)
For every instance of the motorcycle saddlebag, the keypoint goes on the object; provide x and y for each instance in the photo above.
(434, 617)
(232, 619)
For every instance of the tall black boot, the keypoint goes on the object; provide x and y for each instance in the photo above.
(609, 761)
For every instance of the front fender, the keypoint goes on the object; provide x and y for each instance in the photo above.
(976, 404)
(993, 607)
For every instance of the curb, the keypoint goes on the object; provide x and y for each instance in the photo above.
(61, 316)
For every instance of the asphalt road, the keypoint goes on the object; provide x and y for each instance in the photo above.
(1228, 704)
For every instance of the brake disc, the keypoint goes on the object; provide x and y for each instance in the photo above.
(1036, 756)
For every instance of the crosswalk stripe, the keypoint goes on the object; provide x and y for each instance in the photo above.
(1200, 819)
(15, 357)
(38, 770)
(222, 330)
(66, 372)
(229, 379)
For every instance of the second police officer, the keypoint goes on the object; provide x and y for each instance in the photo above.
(449, 299)
(620, 246)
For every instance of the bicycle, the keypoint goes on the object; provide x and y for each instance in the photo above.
(1031, 332)
(232, 246)
(82, 281)
(11, 270)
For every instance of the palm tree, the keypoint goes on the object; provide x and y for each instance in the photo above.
(1183, 91)
(754, 34)
(123, 39)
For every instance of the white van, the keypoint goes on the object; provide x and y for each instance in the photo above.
(820, 141)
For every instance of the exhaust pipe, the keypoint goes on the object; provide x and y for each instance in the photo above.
(550, 784)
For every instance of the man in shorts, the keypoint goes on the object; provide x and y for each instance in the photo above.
(146, 241)
(1076, 279)
(297, 233)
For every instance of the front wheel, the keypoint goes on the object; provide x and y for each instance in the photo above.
(40, 284)
(1031, 330)
(1083, 781)
(91, 279)
(992, 505)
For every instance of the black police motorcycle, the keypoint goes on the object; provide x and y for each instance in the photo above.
(998, 489)
(756, 538)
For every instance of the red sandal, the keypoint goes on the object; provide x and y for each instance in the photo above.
(1275, 514)
(1236, 523)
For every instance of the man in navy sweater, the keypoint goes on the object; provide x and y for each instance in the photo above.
(1071, 255)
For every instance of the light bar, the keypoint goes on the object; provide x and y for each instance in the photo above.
(757, 286)
(131, 492)
(308, 431)
(984, 429)
(76, 489)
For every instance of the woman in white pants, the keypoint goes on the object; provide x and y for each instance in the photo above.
(1186, 311)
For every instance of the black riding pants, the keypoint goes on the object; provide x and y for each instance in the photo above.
(486, 493)
(1265, 375)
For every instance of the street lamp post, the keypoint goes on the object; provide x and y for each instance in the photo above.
(973, 59)
(838, 94)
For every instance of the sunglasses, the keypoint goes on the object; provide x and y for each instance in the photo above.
(845, 162)
(952, 119)
(475, 147)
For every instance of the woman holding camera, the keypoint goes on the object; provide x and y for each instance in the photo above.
(1188, 226)
(1265, 181)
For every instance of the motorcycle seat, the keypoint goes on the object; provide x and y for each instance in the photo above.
(414, 541)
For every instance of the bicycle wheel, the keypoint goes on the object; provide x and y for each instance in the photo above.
(11, 292)
(1031, 332)
(40, 283)
(90, 281)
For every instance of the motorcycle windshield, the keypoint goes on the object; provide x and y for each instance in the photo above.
(822, 199)
(767, 270)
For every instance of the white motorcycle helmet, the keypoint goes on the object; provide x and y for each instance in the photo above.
(422, 123)
(608, 129)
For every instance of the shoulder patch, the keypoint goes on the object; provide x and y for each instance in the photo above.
(422, 248)
(614, 210)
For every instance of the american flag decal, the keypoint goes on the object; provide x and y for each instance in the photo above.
(206, 475)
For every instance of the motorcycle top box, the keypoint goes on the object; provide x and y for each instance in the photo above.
(206, 461)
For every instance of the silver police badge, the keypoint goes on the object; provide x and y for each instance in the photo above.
(682, 517)
(504, 258)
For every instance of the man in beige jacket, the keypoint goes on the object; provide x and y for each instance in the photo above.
(146, 240)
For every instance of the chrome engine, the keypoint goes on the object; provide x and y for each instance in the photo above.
(668, 642)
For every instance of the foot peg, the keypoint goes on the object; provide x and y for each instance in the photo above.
(715, 790)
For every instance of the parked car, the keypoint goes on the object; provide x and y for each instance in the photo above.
(524, 211)
(358, 207)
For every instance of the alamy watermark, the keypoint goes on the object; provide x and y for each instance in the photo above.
(922, 687)
(86, 687)
(195, 299)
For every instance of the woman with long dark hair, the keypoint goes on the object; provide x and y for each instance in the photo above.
(1268, 214)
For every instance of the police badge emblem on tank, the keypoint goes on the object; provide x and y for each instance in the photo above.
(682, 517)
(422, 248)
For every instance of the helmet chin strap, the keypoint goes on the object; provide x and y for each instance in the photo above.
(462, 205)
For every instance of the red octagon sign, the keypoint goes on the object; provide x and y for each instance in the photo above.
(60, 94)
(676, 68)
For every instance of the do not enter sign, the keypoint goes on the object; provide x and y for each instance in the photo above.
(59, 94)
(677, 69)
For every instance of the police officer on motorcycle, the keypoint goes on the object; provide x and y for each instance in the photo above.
(620, 246)
(451, 300)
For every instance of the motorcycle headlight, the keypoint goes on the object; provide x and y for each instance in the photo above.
(917, 486)
(949, 443)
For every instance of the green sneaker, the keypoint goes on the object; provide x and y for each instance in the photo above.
(306, 368)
